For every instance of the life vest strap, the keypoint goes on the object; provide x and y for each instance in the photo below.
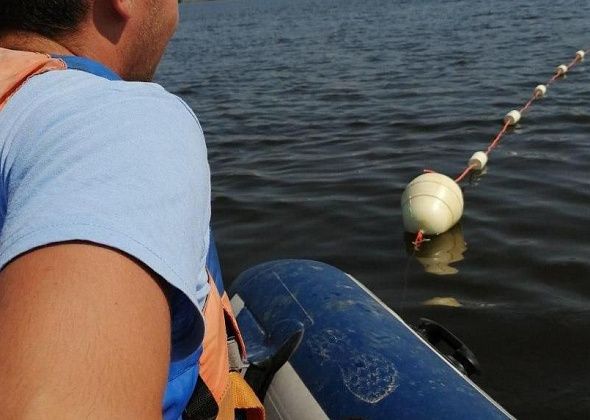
(244, 398)
(232, 324)
(236, 361)
(221, 390)
(19, 66)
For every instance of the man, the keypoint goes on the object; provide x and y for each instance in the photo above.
(104, 215)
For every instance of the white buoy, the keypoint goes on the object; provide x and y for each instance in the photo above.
(580, 55)
(512, 117)
(540, 91)
(478, 160)
(561, 70)
(432, 203)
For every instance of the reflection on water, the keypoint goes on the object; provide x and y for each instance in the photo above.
(475, 176)
(450, 302)
(438, 253)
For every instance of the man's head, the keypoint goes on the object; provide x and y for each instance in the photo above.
(50, 18)
(127, 35)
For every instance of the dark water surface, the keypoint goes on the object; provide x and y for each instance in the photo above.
(317, 114)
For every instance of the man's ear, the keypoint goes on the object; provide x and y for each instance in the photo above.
(123, 8)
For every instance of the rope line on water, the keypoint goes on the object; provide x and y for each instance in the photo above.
(464, 173)
(477, 162)
(512, 118)
(497, 139)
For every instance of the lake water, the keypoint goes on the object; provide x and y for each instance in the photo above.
(317, 113)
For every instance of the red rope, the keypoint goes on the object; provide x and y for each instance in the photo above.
(528, 104)
(419, 239)
(553, 79)
(573, 63)
(464, 173)
(496, 140)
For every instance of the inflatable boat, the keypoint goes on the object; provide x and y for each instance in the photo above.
(321, 345)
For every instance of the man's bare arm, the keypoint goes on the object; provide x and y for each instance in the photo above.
(84, 333)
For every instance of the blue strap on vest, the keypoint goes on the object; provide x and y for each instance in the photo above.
(184, 367)
(213, 263)
(89, 66)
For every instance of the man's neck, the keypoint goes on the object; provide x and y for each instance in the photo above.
(26, 41)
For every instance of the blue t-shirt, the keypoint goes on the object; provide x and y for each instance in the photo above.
(116, 163)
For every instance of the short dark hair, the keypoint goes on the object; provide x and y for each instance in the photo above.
(49, 18)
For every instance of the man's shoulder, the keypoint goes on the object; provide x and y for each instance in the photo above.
(83, 81)
(73, 91)
(61, 114)
(64, 102)
(109, 160)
